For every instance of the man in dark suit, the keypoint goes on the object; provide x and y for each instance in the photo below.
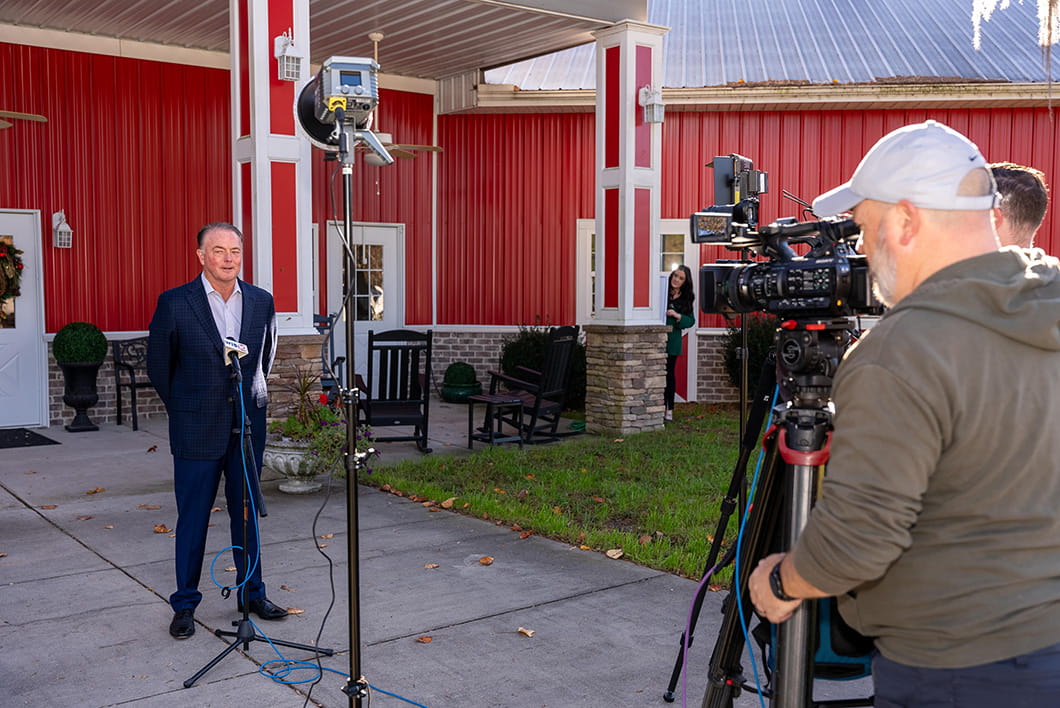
(187, 363)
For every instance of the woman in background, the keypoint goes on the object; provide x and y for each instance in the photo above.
(679, 316)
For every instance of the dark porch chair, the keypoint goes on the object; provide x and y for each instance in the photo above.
(130, 356)
(544, 392)
(397, 392)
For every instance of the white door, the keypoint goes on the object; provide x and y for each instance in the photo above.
(378, 284)
(23, 356)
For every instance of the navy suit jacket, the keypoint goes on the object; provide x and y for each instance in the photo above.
(186, 364)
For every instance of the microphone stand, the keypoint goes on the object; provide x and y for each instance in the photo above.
(245, 630)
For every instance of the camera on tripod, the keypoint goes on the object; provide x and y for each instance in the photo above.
(830, 280)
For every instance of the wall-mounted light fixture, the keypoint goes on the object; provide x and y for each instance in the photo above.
(288, 60)
(62, 234)
(651, 100)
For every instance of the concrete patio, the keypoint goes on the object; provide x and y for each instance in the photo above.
(85, 575)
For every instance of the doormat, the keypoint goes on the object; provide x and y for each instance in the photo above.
(20, 437)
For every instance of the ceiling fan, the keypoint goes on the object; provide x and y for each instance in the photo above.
(401, 150)
(19, 116)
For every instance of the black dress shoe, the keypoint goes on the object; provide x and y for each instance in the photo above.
(183, 624)
(265, 609)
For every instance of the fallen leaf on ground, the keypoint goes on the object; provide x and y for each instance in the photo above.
(448, 503)
(525, 632)
(530, 476)
(424, 639)
(288, 589)
(434, 508)
(614, 553)
(84, 517)
(322, 545)
(150, 507)
(522, 494)
(216, 508)
(585, 548)
(109, 526)
(619, 440)
(499, 490)
(153, 448)
(385, 488)
(643, 540)
(598, 500)
(230, 569)
(486, 560)
(49, 507)
(516, 527)
(161, 528)
(3, 555)
(295, 611)
(431, 566)
(467, 504)
(30, 472)
(526, 534)
(97, 490)
(557, 510)
(328, 535)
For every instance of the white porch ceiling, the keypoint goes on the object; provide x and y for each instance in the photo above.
(423, 38)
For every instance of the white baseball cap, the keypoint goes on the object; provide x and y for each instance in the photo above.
(923, 163)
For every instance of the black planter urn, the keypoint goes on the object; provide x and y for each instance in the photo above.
(80, 392)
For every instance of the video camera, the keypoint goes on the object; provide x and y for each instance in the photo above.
(830, 280)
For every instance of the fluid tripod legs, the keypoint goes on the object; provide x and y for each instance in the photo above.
(737, 491)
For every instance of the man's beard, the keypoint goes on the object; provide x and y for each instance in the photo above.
(883, 270)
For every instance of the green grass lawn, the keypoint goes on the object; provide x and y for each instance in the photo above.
(654, 496)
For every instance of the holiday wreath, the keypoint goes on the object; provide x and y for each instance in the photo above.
(10, 271)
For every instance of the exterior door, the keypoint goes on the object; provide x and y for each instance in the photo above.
(378, 298)
(23, 355)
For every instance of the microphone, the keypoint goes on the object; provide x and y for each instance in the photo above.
(233, 352)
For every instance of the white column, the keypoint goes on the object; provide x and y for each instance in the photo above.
(628, 153)
(272, 175)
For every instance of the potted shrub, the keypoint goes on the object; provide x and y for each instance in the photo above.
(310, 440)
(79, 349)
(459, 382)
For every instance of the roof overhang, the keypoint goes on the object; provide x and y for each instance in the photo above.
(429, 39)
(497, 98)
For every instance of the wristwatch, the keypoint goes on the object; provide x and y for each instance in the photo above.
(777, 586)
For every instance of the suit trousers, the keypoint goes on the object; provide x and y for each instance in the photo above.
(195, 483)
(1028, 681)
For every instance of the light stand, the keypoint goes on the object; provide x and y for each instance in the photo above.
(245, 632)
(335, 110)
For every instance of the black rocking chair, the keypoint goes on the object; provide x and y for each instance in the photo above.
(397, 391)
(544, 392)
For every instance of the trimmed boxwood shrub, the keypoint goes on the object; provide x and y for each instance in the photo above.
(79, 342)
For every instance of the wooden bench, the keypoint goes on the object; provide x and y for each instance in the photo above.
(130, 356)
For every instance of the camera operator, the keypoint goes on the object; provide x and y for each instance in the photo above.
(1024, 198)
(938, 523)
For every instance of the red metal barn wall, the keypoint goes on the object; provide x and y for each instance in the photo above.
(809, 152)
(511, 187)
(137, 153)
(398, 193)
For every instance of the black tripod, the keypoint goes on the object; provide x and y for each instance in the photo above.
(245, 633)
(796, 449)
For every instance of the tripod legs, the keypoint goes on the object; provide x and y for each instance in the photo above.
(735, 500)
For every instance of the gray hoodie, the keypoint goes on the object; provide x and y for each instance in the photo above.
(940, 511)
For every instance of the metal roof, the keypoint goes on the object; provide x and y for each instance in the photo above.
(423, 38)
(727, 42)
